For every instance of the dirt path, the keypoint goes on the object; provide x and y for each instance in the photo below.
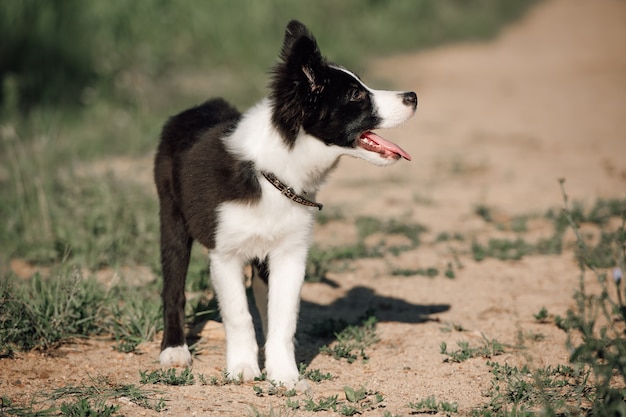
(498, 123)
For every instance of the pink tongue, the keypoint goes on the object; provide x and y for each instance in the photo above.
(386, 145)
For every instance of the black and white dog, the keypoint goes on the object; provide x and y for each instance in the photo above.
(244, 186)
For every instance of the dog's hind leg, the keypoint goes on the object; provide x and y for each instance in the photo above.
(242, 361)
(175, 252)
(260, 280)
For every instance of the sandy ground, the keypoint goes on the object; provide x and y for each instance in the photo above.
(498, 124)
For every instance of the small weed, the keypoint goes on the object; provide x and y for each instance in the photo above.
(167, 377)
(556, 389)
(484, 213)
(502, 249)
(135, 319)
(274, 390)
(542, 315)
(446, 237)
(324, 404)
(215, 380)
(293, 404)
(8, 408)
(427, 272)
(101, 389)
(360, 400)
(82, 408)
(314, 375)
(450, 327)
(430, 405)
(272, 413)
(353, 340)
(490, 348)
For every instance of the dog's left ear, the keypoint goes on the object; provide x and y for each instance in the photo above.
(301, 54)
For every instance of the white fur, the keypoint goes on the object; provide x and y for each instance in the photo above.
(388, 105)
(175, 356)
(280, 230)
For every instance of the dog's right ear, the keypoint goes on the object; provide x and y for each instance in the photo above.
(300, 52)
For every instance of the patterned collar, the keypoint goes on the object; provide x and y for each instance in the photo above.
(289, 192)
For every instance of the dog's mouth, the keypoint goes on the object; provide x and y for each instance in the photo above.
(370, 141)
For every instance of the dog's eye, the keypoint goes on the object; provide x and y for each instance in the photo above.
(357, 94)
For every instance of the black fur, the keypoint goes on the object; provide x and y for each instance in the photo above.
(194, 174)
(309, 93)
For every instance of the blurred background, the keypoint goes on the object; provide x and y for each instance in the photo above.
(83, 84)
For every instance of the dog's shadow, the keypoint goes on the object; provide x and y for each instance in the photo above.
(357, 304)
(347, 310)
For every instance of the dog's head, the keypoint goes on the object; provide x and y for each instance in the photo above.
(332, 104)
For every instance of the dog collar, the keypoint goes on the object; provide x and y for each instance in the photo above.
(289, 192)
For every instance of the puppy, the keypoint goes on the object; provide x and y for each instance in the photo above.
(244, 186)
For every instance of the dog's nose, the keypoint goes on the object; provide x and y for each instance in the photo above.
(410, 99)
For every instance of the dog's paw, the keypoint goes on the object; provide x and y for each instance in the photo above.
(289, 379)
(244, 373)
(303, 387)
(175, 356)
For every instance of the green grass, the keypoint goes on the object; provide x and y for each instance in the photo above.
(81, 81)
(118, 49)
(167, 377)
(43, 313)
(430, 405)
(323, 260)
(350, 340)
(593, 381)
(464, 352)
(85, 400)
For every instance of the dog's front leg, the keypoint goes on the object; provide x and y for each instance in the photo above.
(286, 271)
(241, 346)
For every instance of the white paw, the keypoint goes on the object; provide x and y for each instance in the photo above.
(303, 387)
(245, 373)
(175, 356)
(289, 377)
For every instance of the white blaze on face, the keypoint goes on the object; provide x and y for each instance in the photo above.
(391, 108)
(390, 105)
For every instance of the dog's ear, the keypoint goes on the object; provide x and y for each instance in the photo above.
(301, 54)
(297, 81)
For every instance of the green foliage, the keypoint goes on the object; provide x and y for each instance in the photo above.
(351, 342)
(99, 391)
(593, 383)
(542, 315)
(360, 400)
(598, 322)
(82, 408)
(323, 404)
(43, 312)
(314, 375)
(7, 407)
(426, 272)
(64, 50)
(167, 377)
(524, 391)
(320, 261)
(136, 318)
(430, 405)
(487, 350)
(48, 219)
